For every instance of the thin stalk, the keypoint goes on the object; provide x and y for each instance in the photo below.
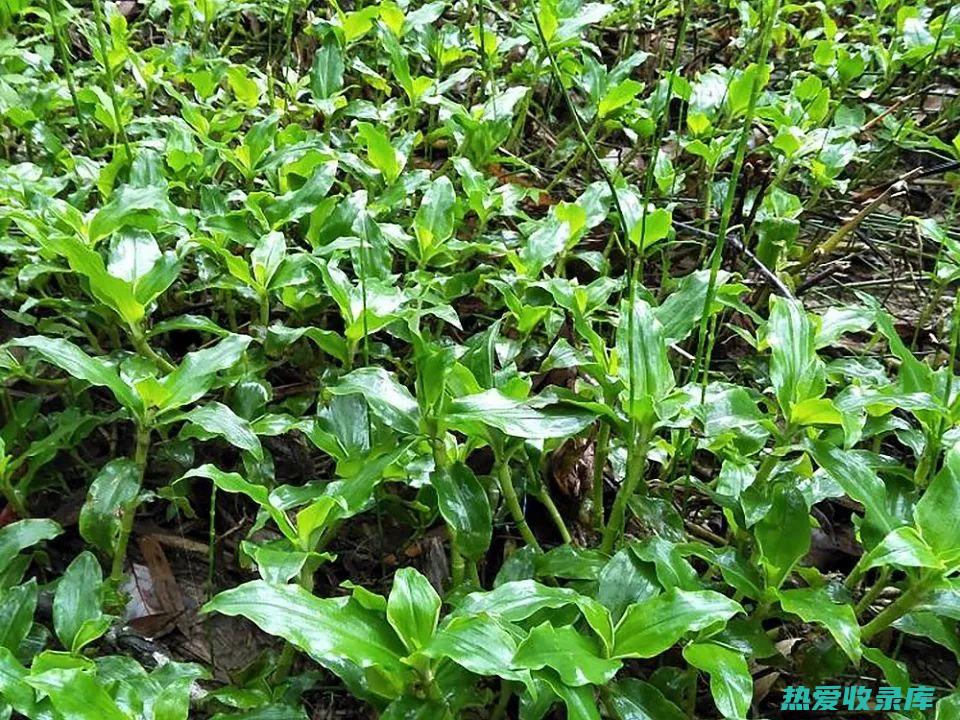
(928, 461)
(900, 607)
(600, 451)
(143, 347)
(111, 82)
(705, 346)
(13, 496)
(618, 513)
(543, 495)
(128, 512)
(874, 592)
(513, 504)
(64, 53)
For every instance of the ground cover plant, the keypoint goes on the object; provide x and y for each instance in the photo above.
(470, 359)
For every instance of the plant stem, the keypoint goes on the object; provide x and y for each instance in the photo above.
(599, 463)
(705, 347)
(543, 495)
(12, 495)
(143, 347)
(513, 504)
(128, 511)
(874, 592)
(636, 462)
(899, 607)
(111, 82)
(67, 68)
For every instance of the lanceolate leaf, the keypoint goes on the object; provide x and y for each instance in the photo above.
(795, 370)
(329, 630)
(71, 359)
(117, 483)
(637, 700)
(816, 606)
(197, 372)
(643, 364)
(77, 600)
(858, 480)
(730, 681)
(515, 418)
(464, 506)
(388, 399)
(575, 657)
(76, 694)
(939, 526)
(650, 627)
(477, 643)
(22, 535)
(413, 608)
(220, 420)
(17, 606)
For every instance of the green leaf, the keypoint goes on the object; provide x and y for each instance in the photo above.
(381, 154)
(636, 700)
(233, 483)
(680, 312)
(388, 399)
(413, 608)
(295, 204)
(816, 606)
(618, 96)
(112, 291)
(519, 599)
(15, 690)
(133, 203)
(330, 630)
(266, 257)
(514, 417)
(575, 657)
(935, 511)
(796, 372)
(77, 695)
(77, 599)
(477, 643)
(71, 359)
(433, 222)
(197, 373)
(902, 547)
(326, 73)
(22, 534)
(17, 606)
(465, 508)
(117, 483)
(218, 419)
(730, 682)
(642, 359)
(650, 627)
(783, 533)
(858, 480)
(245, 89)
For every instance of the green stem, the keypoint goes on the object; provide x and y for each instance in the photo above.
(705, 346)
(555, 515)
(64, 53)
(13, 497)
(143, 347)
(599, 463)
(265, 310)
(899, 607)
(874, 592)
(111, 81)
(128, 512)
(636, 463)
(513, 504)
